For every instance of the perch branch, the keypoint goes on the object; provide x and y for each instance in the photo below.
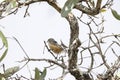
(50, 61)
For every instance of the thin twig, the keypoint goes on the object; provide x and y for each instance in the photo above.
(114, 52)
(92, 61)
(50, 61)
(49, 50)
(98, 46)
(21, 47)
(26, 11)
(108, 48)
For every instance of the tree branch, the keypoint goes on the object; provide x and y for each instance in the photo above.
(73, 45)
(47, 60)
(110, 72)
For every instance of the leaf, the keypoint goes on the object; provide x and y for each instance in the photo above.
(103, 10)
(37, 74)
(43, 74)
(12, 4)
(115, 14)
(2, 78)
(10, 71)
(68, 7)
(5, 42)
(3, 55)
(8, 8)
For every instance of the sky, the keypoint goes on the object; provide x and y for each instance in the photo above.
(44, 22)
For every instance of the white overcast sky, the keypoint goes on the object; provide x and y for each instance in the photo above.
(44, 22)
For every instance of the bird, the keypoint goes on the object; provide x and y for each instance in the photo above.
(54, 46)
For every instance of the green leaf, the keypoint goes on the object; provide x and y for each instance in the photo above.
(2, 78)
(103, 10)
(68, 7)
(12, 4)
(8, 8)
(10, 71)
(115, 14)
(3, 55)
(5, 42)
(37, 74)
(43, 74)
